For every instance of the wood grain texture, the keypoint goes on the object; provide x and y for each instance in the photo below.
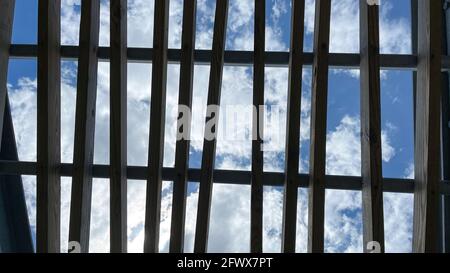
(319, 96)
(118, 126)
(427, 135)
(371, 162)
(209, 146)
(182, 147)
(293, 128)
(157, 126)
(257, 189)
(80, 207)
(48, 128)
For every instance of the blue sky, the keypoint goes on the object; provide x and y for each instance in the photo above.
(231, 203)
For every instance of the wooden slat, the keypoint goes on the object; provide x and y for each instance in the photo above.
(182, 147)
(293, 128)
(319, 96)
(256, 209)
(118, 126)
(6, 23)
(48, 128)
(80, 208)
(427, 141)
(445, 148)
(209, 146)
(371, 164)
(157, 126)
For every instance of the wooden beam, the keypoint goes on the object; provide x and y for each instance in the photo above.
(118, 126)
(427, 144)
(209, 145)
(80, 207)
(157, 126)
(6, 21)
(257, 189)
(319, 95)
(183, 144)
(403, 62)
(371, 162)
(48, 128)
(293, 128)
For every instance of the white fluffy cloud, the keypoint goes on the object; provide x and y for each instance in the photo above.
(230, 208)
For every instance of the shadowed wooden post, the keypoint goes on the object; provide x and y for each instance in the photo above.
(182, 147)
(6, 23)
(319, 96)
(80, 207)
(372, 175)
(15, 235)
(157, 126)
(427, 141)
(48, 128)
(256, 210)
(293, 128)
(209, 145)
(118, 126)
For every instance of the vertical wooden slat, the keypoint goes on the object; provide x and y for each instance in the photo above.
(6, 23)
(157, 126)
(118, 126)
(80, 208)
(427, 143)
(319, 96)
(372, 175)
(48, 127)
(182, 147)
(209, 145)
(293, 128)
(256, 209)
(445, 148)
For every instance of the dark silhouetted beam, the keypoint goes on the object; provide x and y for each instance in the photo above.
(209, 145)
(319, 95)
(48, 128)
(80, 207)
(256, 209)
(157, 126)
(293, 128)
(183, 144)
(118, 126)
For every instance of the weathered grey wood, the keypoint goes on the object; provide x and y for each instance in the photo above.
(48, 128)
(6, 25)
(80, 207)
(319, 95)
(157, 126)
(256, 207)
(427, 141)
(209, 146)
(182, 147)
(293, 128)
(118, 126)
(371, 163)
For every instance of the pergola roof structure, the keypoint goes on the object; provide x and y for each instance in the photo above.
(429, 61)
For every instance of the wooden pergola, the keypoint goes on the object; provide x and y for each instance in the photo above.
(429, 61)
